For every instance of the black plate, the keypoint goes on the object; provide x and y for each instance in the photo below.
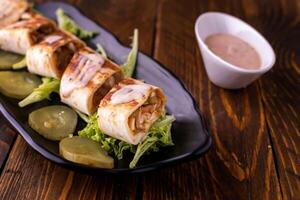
(189, 132)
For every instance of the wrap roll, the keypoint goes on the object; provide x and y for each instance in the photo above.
(129, 109)
(52, 55)
(88, 77)
(21, 35)
(11, 11)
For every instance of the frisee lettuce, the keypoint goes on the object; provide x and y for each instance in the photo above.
(159, 136)
(68, 24)
(42, 92)
(129, 66)
(109, 144)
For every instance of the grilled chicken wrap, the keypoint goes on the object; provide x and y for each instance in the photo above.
(88, 77)
(21, 35)
(129, 109)
(11, 11)
(52, 55)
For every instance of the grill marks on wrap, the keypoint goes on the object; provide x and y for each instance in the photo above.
(129, 93)
(63, 46)
(61, 38)
(19, 36)
(30, 21)
(83, 68)
(87, 79)
(11, 11)
(116, 88)
(37, 25)
(109, 82)
(56, 51)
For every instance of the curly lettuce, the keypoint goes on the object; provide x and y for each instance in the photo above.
(109, 144)
(129, 66)
(159, 136)
(68, 24)
(42, 92)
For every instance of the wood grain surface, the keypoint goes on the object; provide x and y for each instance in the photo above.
(280, 91)
(240, 164)
(7, 136)
(256, 137)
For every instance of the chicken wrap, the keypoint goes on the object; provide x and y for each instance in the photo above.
(52, 55)
(87, 79)
(18, 37)
(129, 109)
(11, 11)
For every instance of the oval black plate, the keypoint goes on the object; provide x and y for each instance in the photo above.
(189, 132)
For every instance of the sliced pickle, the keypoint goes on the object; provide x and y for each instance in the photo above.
(8, 59)
(53, 122)
(18, 84)
(85, 151)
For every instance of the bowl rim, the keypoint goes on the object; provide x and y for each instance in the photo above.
(257, 34)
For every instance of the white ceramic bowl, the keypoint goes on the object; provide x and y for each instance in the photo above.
(220, 72)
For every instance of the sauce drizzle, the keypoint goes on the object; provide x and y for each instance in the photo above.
(85, 70)
(129, 93)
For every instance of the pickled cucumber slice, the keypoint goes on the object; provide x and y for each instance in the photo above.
(8, 59)
(18, 84)
(53, 122)
(85, 151)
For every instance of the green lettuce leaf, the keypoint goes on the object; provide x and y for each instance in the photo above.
(109, 144)
(101, 50)
(129, 66)
(32, 7)
(68, 24)
(159, 136)
(83, 116)
(21, 64)
(44, 90)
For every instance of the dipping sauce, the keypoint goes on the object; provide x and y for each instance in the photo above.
(234, 50)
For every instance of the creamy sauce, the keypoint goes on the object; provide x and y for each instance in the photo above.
(86, 69)
(129, 93)
(31, 23)
(53, 38)
(234, 50)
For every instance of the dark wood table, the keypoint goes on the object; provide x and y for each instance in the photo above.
(256, 131)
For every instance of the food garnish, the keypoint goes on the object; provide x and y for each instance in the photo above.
(68, 24)
(9, 59)
(159, 136)
(18, 84)
(85, 151)
(20, 65)
(42, 92)
(129, 65)
(79, 67)
(53, 122)
(101, 50)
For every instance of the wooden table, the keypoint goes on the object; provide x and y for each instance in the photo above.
(256, 131)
